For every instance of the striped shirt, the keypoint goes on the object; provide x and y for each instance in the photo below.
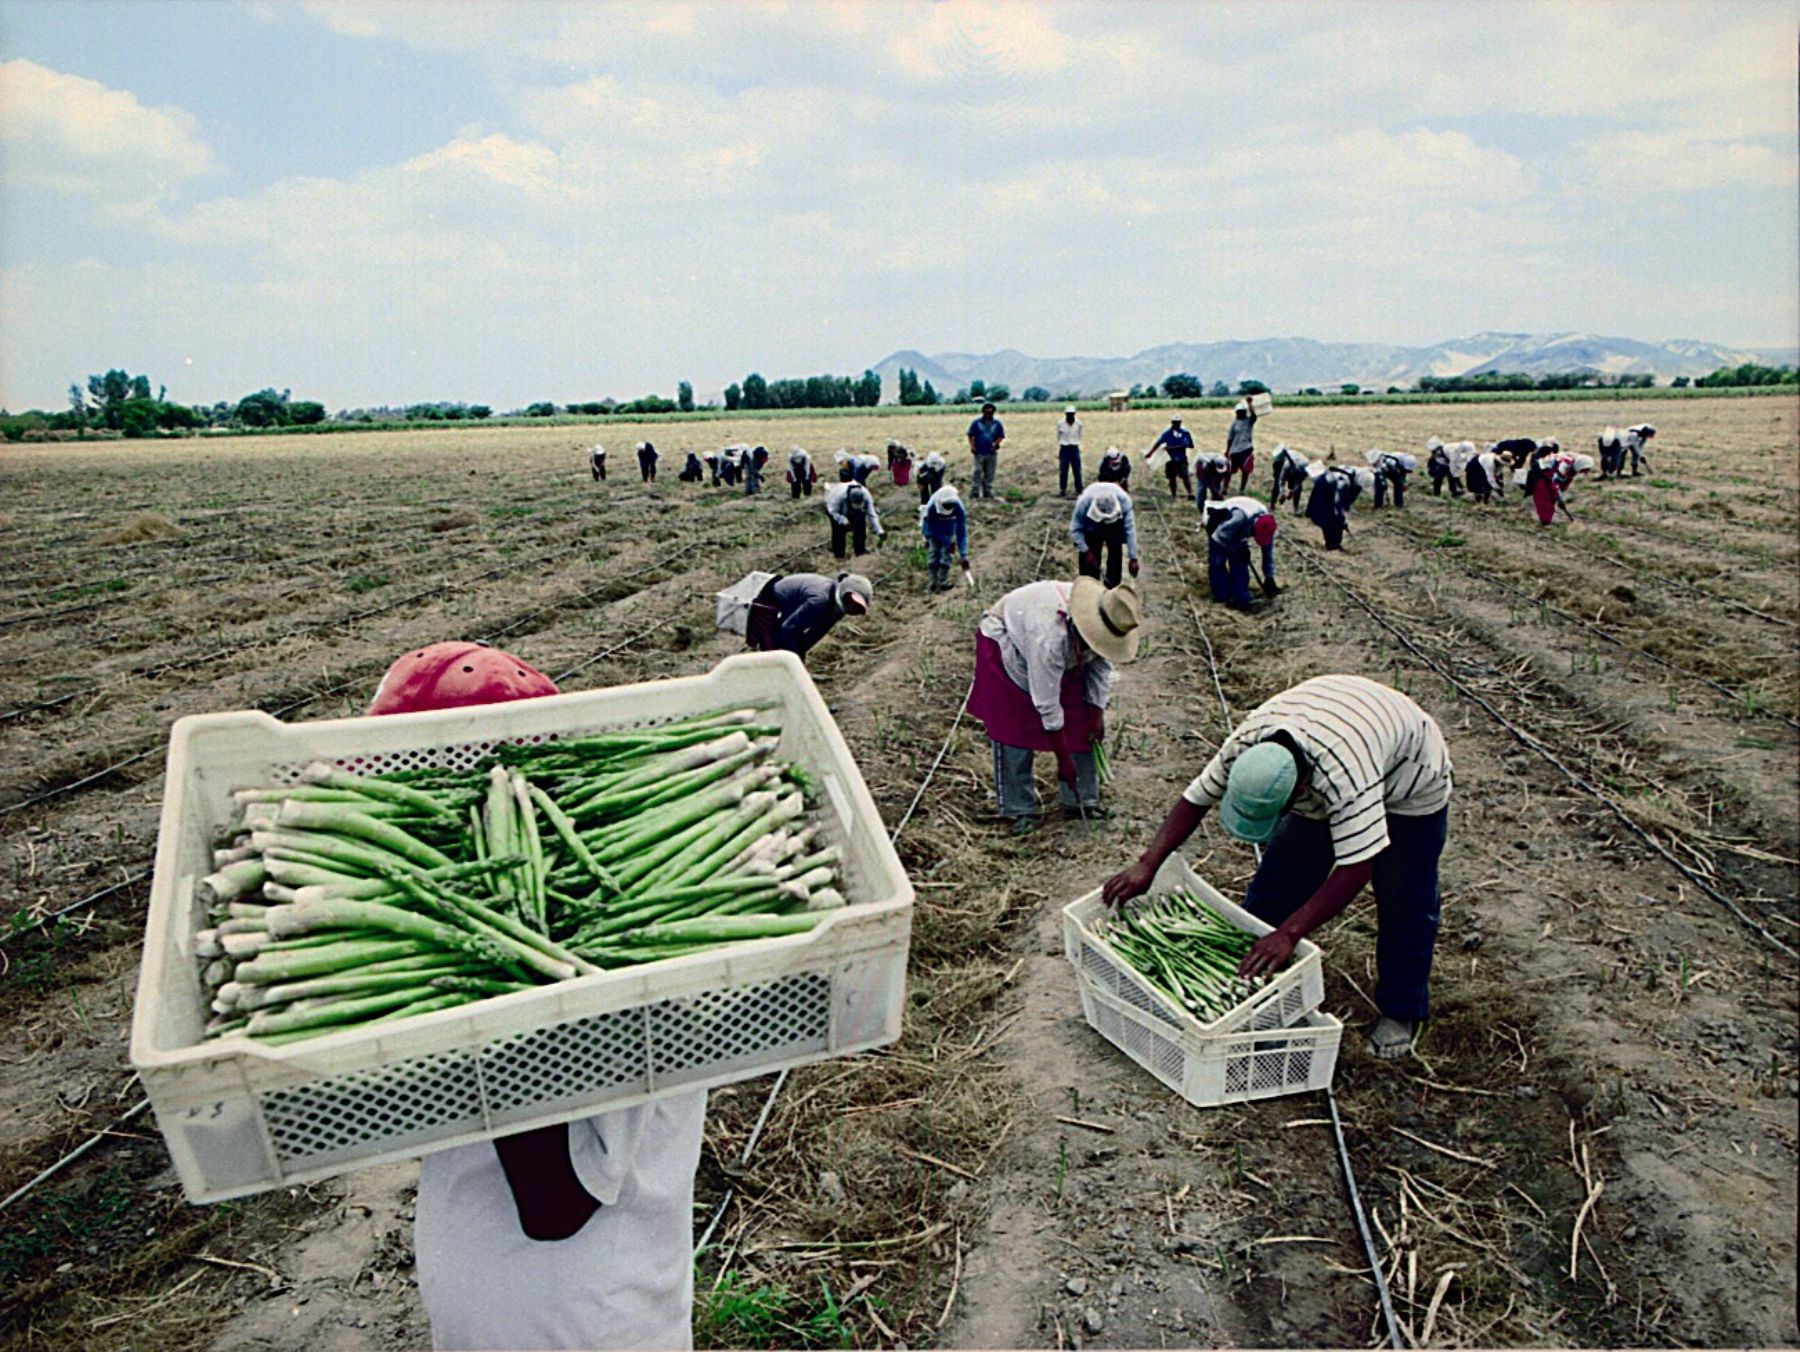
(1372, 751)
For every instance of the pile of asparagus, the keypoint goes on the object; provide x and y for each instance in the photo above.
(349, 899)
(1188, 951)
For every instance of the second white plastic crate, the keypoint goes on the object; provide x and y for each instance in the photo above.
(1297, 988)
(240, 1117)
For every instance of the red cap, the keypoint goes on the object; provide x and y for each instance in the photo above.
(453, 675)
(1264, 528)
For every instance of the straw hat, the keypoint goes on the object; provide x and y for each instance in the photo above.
(1108, 620)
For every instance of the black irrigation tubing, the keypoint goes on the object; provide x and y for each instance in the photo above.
(141, 876)
(1362, 1223)
(1194, 610)
(1531, 743)
(74, 1154)
(1737, 696)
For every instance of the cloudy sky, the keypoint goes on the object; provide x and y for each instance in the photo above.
(389, 202)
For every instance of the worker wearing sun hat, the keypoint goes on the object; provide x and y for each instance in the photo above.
(575, 1235)
(1044, 674)
(1345, 781)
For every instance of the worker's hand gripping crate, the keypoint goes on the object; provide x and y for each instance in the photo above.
(241, 1116)
(733, 604)
(1274, 1042)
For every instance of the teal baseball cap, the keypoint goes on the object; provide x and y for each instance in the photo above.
(1257, 790)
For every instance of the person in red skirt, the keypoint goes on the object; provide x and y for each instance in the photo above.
(1044, 658)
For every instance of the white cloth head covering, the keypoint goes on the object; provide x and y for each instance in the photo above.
(945, 501)
(1106, 502)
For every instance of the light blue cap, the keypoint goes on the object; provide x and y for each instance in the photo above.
(1257, 790)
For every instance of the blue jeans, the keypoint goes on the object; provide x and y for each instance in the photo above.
(1298, 859)
(1228, 573)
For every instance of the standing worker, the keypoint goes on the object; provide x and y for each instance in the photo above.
(597, 462)
(931, 475)
(1230, 527)
(1044, 657)
(792, 613)
(801, 475)
(1115, 468)
(851, 509)
(1175, 442)
(1344, 781)
(1068, 452)
(592, 1218)
(1102, 520)
(944, 522)
(985, 435)
(647, 457)
(1239, 448)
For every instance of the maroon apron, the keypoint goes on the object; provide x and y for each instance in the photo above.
(1011, 718)
(1544, 494)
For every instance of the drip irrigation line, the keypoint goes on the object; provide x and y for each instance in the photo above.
(92, 899)
(1212, 661)
(1533, 744)
(1737, 696)
(61, 789)
(73, 1155)
(1362, 1222)
(743, 1162)
(943, 750)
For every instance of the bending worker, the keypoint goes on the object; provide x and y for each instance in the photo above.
(1044, 657)
(1115, 468)
(1441, 469)
(1175, 442)
(597, 462)
(1212, 479)
(1230, 527)
(691, 473)
(801, 475)
(1102, 520)
(792, 613)
(594, 1218)
(1344, 781)
(1328, 505)
(1068, 452)
(647, 457)
(931, 476)
(851, 509)
(944, 522)
(755, 459)
(1290, 476)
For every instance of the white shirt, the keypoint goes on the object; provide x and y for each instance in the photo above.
(1037, 646)
(624, 1280)
(1372, 751)
(1068, 433)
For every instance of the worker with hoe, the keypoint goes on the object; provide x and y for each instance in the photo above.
(792, 613)
(1068, 452)
(1343, 781)
(1044, 658)
(931, 476)
(985, 435)
(597, 462)
(1102, 522)
(647, 457)
(944, 522)
(851, 510)
(1240, 453)
(1231, 525)
(1175, 442)
(576, 1235)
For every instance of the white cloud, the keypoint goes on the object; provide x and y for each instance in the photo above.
(75, 135)
(1633, 163)
(958, 40)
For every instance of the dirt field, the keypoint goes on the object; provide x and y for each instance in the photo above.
(1610, 1042)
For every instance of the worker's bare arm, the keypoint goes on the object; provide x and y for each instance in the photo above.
(1183, 818)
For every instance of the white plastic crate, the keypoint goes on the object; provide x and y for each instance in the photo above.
(1297, 988)
(240, 1118)
(732, 606)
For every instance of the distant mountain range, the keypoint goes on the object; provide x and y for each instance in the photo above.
(1287, 364)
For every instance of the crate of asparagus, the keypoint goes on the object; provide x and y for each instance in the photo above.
(1173, 954)
(372, 938)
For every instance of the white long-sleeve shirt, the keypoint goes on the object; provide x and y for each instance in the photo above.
(1068, 433)
(1038, 648)
(624, 1280)
(1080, 522)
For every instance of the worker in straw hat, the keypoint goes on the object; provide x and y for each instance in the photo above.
(1343, 781)
(592, 1220)
(1044, 659)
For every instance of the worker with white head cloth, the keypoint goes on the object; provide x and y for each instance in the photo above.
(1343, 781)
(851, 510)
(1044, 656)
(944, 522)
(597, 462)
(1103, 522)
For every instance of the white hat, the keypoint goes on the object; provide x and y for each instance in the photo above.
(1104, 507)
(1069, 408)
(840, 455)
(1434, 443)
(1364, 477)
(1584, 464)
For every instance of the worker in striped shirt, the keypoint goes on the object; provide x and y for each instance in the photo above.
(1344, 781)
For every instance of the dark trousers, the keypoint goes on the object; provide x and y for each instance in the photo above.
(647, 466)
(752, 481)
(599, 468)
(1177, 473)
(1107, 540)
(1228, 573)
(855, 535)
(930, 480)
(1068, 461)
(1298, 859)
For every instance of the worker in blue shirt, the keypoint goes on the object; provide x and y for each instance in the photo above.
(944, 523)
(1103, 520)
(985, 435)
(1177, 441)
